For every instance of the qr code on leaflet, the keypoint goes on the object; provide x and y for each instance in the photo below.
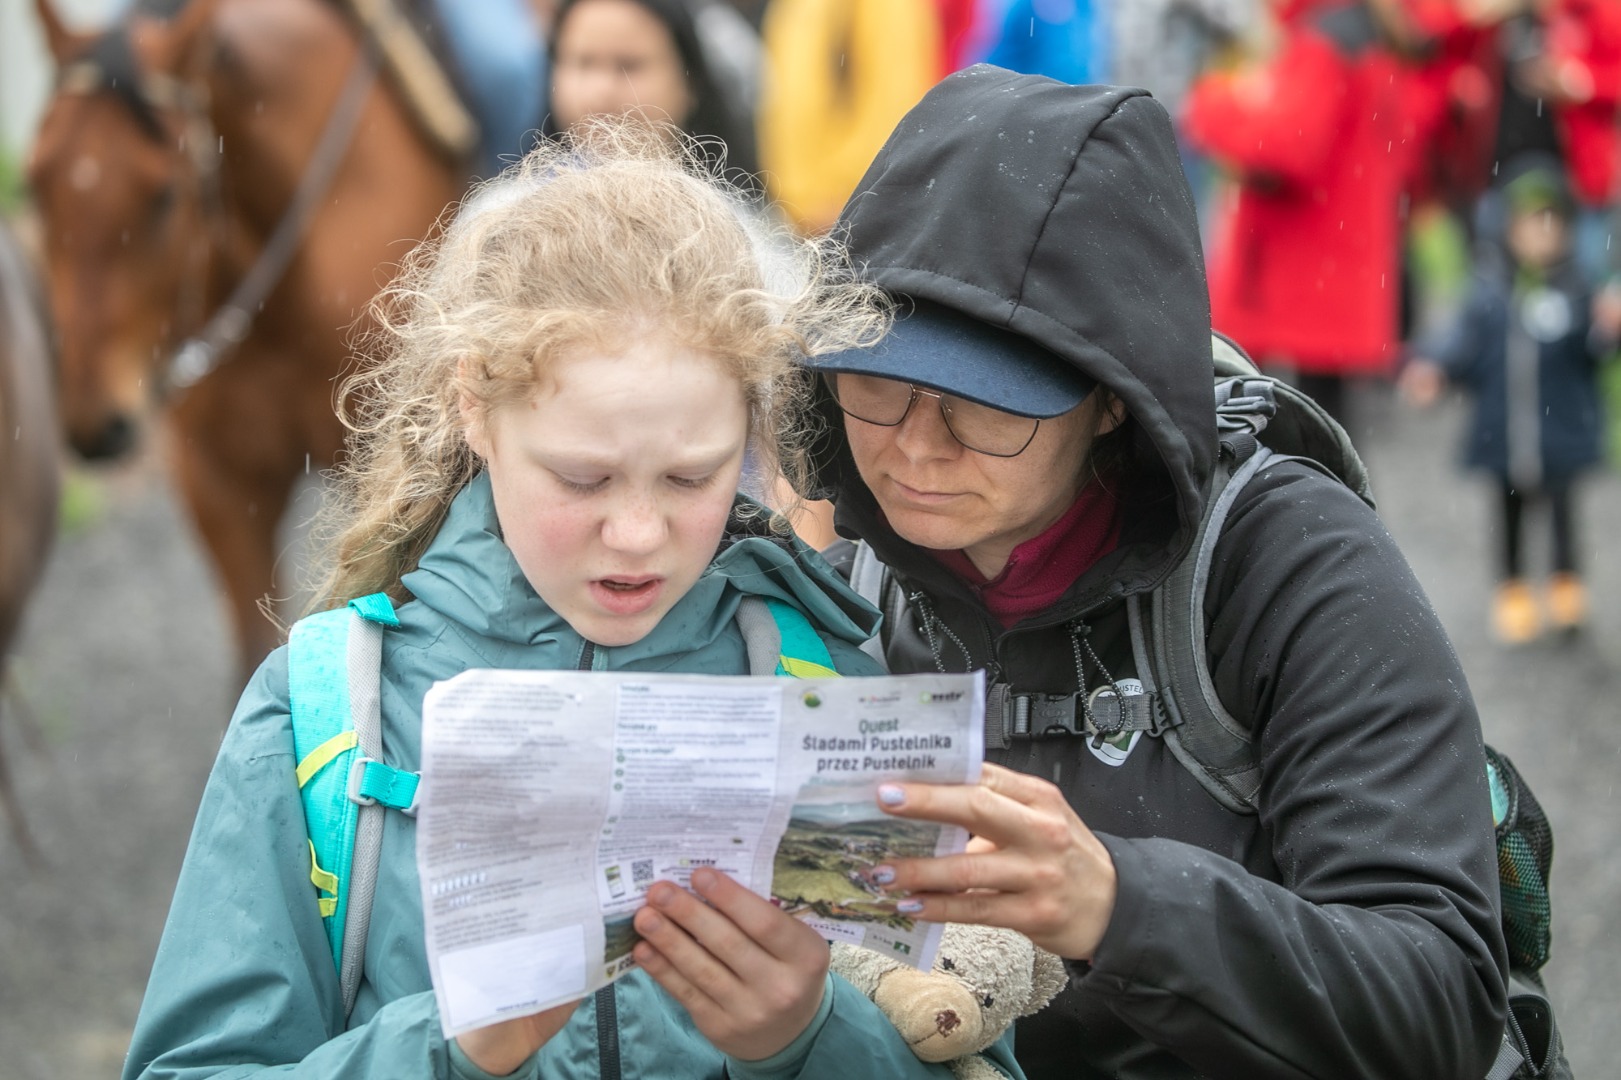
(641, 873)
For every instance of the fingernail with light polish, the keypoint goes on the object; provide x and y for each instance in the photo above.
(909, 907)
(890, 795)
(883, 875)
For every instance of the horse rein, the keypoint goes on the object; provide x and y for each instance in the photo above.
(147, 93)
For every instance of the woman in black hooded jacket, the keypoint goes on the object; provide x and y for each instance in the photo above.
(1033, 443)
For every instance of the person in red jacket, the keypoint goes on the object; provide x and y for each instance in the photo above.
(1567, 68)
(1519, 76)
(1305, 266)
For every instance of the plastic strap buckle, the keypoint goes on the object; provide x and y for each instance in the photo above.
(372, 782)
(1036, 715)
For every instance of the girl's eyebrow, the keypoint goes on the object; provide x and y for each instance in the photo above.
(586, 460)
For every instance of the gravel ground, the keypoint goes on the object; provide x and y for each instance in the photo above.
(123, 678)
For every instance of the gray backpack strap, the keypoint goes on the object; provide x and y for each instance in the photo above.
(1214, 746)
(761, 635)
(365, 705)
(1509, 1059)
(1532, 1043)
(1169, 640)
(871, 581)
(1210, 742)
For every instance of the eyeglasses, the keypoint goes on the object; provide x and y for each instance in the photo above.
(886, 403)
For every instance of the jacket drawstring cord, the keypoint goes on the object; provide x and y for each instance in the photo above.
(1079, 638)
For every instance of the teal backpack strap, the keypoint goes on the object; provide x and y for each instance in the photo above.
(323, 745)
(781, 641)
(334, 672)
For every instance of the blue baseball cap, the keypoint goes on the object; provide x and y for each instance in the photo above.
(943, 349)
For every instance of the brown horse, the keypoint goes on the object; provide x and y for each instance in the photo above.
(30, 467)
(164, 163)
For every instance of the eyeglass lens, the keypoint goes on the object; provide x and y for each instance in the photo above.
(980, 428)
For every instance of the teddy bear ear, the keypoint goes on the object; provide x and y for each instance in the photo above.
(1047, 977)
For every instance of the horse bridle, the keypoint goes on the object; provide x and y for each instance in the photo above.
(110, 65)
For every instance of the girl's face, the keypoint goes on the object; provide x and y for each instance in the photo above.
(616, 57)
(614, 483)
(939, 494)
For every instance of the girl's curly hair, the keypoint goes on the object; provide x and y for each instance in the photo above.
(594, 240)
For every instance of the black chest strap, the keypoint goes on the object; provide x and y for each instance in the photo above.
(1011, 715)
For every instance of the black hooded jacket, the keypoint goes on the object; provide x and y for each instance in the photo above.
(1350, 927)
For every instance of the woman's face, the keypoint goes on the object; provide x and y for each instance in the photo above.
(614, 483)
(616, 57)
(939, 494)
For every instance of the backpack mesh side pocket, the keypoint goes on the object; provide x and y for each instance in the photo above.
(1524, 858)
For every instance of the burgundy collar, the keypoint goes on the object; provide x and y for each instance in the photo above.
(1041, 570)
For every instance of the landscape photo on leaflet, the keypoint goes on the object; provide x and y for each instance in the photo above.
(826, 853)
(619, 938)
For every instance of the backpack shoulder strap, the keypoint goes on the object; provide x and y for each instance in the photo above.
(334, 666)
(1216, 747)
(1201, 734)
(781, 640)
(872, 582)
(324, 741)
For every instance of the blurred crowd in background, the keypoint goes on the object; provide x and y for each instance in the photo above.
(1354, 162)
(1359, 167)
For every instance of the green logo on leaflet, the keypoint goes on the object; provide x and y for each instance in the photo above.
(944, 696)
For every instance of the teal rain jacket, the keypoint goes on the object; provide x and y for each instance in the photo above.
(244, 982)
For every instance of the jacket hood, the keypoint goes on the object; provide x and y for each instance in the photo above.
(469, 576)
(1059, 213)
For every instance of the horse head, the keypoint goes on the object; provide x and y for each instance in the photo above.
(123, 169)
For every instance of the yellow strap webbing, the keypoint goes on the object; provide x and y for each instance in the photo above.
(321, 755)
(325, 882)
(806, 669)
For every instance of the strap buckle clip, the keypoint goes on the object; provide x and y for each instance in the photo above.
(1039, 715)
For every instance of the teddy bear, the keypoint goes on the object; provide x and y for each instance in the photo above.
(983, 979)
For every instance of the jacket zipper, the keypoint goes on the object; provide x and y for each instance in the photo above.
(608, 1034)
(607, 1003)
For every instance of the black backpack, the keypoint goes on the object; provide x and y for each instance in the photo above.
(1178, 702)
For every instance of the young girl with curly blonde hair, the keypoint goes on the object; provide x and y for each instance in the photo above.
(543, 473)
